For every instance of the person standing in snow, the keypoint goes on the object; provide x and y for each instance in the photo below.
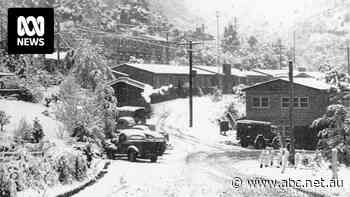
(285, 156)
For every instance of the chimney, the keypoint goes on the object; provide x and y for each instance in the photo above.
(226, 69)
(203, 28)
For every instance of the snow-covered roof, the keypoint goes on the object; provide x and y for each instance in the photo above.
(252, 122)
(272, 72)
(129, 108)
(167, 69)
(214, 69)
(130, 132)
(310, 82)
(129, 81)
(253, 73)
(120, 73)
(284, 73)
(303, 81)
(315, 74)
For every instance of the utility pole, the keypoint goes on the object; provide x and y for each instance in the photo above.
(167, 48)
(280, 52)
(190, 85)
(1, 29)
(218, 40)
(294, 48)
(236, 23)
(291, 120)
(347, 49)
(190, 78)
(348, 57)
(58, 45)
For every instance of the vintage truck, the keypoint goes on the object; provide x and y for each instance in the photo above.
(261, 134)
(135, 143)
(257, 133)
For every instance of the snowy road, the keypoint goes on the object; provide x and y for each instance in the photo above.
(180, 173)
(198, 165)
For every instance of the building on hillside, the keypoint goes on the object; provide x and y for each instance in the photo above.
(230, 76)
(269, 101)
(149, 48)
(158, 75)
(128, 91)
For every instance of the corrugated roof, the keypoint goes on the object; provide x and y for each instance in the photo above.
(306, 82)
(129, 81)
(167, 69)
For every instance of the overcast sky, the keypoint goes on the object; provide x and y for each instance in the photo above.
(277, 15)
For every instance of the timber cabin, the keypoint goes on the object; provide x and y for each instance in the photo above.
(269, 101)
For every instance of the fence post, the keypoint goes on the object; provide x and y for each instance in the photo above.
(334, 163)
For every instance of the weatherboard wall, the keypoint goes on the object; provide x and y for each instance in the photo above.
(275, 113)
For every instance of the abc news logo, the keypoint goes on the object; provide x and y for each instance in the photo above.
(30, 30)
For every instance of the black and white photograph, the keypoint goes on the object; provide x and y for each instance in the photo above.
(174, 98)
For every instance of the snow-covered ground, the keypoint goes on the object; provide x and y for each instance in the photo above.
(97, 166)
(251, 167)
(19, 109)
(205, 114)
(199, 162)
(196, 165)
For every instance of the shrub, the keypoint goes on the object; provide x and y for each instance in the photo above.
(71, 167)
(80, 168)
(5, 185)
(333, 134)
(24, 131)
(27, 95)
(216, 95)
(4, 120)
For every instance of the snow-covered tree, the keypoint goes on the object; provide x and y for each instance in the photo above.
(333, 133)
(90, 65)
(230, 42)
(4, 120)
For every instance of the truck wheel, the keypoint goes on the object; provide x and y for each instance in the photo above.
(132, 156)
(154, 159)
(244, 143)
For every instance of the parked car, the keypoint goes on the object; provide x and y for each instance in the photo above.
(125, 122)
(135, 143)
(140, 114)
(257, 133)
(11, 89)
(150, 130)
